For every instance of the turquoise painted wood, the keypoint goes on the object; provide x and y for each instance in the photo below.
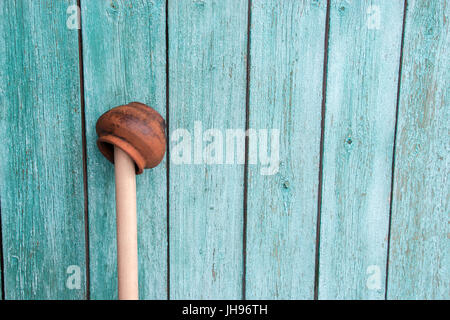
(362, 80)
(419, 247)
(207, 69)
(287, 45)
(203, 233)
(124, 51)
(41, 172)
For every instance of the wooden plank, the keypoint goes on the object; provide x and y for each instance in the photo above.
(207, 52)
(1, 235)
(419, 246)
(124, 60)
(362, 80)
(41, 172)
(287, 51)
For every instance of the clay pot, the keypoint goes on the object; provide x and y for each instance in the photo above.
(135, 128)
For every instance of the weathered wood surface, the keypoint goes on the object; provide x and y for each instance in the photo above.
(287, 46)
(419, 246)
(207, 54)
(124, 56)
(124, 52)
(363, 65)
(41, 172)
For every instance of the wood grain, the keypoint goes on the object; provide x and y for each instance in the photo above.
(124, 58)
(124, 50)
(207, 52)
(419, 246)
(41, 172)
(287, 46)
(362, 81)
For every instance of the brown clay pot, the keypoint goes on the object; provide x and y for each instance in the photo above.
(135, 128)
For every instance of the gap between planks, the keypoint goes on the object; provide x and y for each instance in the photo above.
(83, 139)
(168, 151)
(405, 6)
(322, 135)
(247, 122)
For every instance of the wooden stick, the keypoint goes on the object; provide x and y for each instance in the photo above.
(127, 258)
(137, 133)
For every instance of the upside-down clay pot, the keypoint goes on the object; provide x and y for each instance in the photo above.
(135, 128)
